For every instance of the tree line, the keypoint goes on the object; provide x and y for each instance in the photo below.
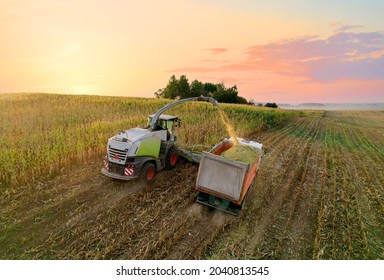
(181, 88)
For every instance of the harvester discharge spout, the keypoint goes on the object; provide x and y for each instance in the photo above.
(166, 107)
(209, 99)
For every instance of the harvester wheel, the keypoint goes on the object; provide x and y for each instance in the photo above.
(148, 172)
(172, 157)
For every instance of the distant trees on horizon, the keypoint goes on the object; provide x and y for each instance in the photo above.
(271, 105)
(181, 88)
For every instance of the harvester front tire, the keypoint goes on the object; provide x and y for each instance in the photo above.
(172, 157)
(148, 172)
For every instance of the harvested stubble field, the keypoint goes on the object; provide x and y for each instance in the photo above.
(318, 193)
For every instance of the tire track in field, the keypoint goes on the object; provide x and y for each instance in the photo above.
(352, 197)
(344, 228)
(368, 132)
(287, 201)
(323, 200)
(281, 190)
(374, 175)
(194, 244)
(165, 232)
(326, 217)
(368, 204)
(298, 233)
(341, 232)
(375, 150)
(358, 193)
(331, 253)
(274, 136)
(371, 158)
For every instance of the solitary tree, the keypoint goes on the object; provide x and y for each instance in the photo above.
(271, 105)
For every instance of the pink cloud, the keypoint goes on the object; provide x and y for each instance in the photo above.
(307, 68)
(339, 27)
(340, 56)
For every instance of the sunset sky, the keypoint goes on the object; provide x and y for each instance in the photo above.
(274, 51)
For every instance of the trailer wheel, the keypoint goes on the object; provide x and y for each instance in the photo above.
(172, 157)
(148, 172)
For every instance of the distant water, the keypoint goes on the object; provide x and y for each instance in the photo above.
(334, 106)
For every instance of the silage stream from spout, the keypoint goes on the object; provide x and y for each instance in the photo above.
(228, 126)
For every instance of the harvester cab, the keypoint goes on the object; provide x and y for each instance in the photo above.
(142, 152)
(166, 122)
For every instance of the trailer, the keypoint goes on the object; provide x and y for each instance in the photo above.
(223, 183)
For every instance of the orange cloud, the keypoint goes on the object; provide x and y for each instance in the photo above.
(216, 50)
(303, 66)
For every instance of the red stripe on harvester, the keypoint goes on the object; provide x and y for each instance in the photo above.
(128, 171)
